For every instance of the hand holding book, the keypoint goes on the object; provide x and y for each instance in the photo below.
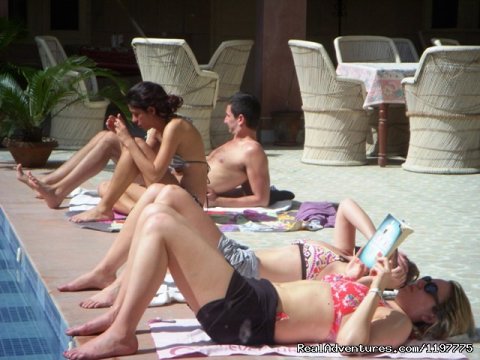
(388, 237)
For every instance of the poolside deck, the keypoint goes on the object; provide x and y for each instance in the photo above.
(444, 210)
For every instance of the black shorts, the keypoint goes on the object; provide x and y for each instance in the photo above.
(246, 316)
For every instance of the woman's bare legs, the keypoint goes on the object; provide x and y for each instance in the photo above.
(69, 165)
(86, 163)
(169, 195)
(134, 192)
(125, 173)
(163, 238)
(172, 196)
(105, 272)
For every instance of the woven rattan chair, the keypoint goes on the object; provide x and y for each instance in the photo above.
(75, 125)
(444, 41)
(363, 48)
(172, 64)
(229, 62)
(406, 50)
(443, 102)
(335, 122)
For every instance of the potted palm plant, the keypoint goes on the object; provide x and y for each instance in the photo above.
(29, 96)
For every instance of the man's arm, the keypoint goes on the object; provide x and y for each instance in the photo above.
(257, 192)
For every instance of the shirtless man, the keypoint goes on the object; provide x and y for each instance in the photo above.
(239, 174)
(238, 169)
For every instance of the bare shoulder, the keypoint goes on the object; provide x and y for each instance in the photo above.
(252, 147)
(179, 122)
(180, 126)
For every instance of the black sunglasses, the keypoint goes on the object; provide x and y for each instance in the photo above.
(431, 288)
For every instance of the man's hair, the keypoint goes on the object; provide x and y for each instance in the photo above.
(248, 106)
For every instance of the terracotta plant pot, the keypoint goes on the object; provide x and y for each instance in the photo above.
(30, 154)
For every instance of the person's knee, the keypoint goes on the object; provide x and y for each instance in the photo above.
(155, 189)
(111, 138)
(111, 143)
(100, 135)
(159, 219)
(171, 195)
(346, 203)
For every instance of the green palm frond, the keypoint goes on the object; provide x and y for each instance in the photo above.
(13, 103)
(49, 91)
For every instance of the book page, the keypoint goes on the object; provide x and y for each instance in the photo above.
(386, 239)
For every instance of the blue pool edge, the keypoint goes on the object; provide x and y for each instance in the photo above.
(52, 314)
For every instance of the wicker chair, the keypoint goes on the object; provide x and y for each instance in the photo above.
(444, 41)
(229, 62)
(335, 122)
(443, 102)
(75, 125)
(359, 48)
(406, 50)
(172, 64)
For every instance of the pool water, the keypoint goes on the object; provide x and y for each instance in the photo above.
(30, 325)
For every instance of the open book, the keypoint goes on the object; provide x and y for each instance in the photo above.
(389, 235)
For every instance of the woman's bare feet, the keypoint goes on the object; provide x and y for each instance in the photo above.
(94, 214)
(22, 177)
(45, 191)
(91, 280)
(93, 327)
(103, 299)
(107, 345)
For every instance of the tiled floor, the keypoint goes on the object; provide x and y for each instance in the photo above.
(444, 210)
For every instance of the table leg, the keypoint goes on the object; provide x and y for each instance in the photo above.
(382, 134)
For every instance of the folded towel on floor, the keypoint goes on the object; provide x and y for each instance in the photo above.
(277, 207)
(252, 221)
(83, 200)
(185, 337)
(167, 293)
(320, 213)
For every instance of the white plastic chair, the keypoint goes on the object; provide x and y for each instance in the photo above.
(229, 62)
(52, 53)
(335, 122)
(406, 50)
(365, 48)
(75, 125)
(444, 41)
(443, 102)
(172, 64)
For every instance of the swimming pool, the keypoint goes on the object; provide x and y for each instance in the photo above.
(30, 325)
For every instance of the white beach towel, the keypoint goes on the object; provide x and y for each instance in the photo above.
(167, 293)
(83, 199)
(276, 208)
(185, 337)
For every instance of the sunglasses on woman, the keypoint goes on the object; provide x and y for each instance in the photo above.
(431, 288)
